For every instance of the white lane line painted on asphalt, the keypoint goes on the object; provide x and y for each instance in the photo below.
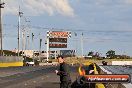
(108, 72)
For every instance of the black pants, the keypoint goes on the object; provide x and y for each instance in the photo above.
(65, 84)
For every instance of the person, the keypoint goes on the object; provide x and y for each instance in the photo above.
(104, 62)
(91, 72)
(63, 72)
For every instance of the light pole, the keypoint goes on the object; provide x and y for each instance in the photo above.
(19, 21)
(23, 41)
(82, 44)
(28, 33)
(40, 49)
(47, 49)
(33, 44)
(1, 37)
(47, 42)
(76, 47)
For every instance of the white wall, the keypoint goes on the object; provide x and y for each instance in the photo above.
(121, 62)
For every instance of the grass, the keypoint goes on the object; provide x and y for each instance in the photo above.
(76, 60)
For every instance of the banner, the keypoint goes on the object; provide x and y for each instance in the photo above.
(108, 78)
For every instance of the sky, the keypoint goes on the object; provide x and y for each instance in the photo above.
(105, 24)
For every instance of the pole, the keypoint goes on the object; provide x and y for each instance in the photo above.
(47, 48)
(40, 49)
(28, 39)
(28, 34)
(1, 35)
(76, 44)
(40, 40)
(22, 42)
(33, 44)
(18, 31)
(28, 42)
(19, 21)
(82, 44)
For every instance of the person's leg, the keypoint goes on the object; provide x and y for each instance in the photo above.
(61, 85)
(69, 85)
(65, 84)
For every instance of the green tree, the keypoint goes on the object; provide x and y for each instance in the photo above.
(91, 53)
(111, 54)
(97, 54)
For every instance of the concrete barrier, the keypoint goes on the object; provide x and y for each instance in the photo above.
(121, 62)
(11, 61)
(11, 64)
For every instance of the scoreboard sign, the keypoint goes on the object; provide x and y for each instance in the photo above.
(57, 45)
(60, 40)
(58, 34)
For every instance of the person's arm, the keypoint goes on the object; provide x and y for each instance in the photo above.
(62, 73)
(65, 72)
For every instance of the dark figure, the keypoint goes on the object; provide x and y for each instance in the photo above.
(64, 74)
(90, 71)
(104, 62)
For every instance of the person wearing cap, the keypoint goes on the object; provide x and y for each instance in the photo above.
(63, 72)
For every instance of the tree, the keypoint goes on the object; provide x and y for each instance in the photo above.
(111, 54)
(91, 53)
(97, 54)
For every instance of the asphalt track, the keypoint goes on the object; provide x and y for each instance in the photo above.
(32, 77)
(43, 76)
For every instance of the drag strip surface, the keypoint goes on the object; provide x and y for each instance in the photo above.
(20, 77)
(25, 75)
